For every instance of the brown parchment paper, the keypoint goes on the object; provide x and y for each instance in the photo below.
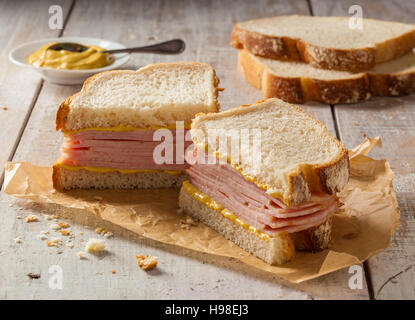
(363, 227)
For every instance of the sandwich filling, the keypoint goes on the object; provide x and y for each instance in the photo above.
(125, 151)
(253, 205)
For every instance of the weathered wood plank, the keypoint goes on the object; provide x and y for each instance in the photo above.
(20, 22)
(206, 28)
(393, 119)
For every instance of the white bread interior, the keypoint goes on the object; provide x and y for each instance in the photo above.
(156, 95)
(297, 153)
(67, 179)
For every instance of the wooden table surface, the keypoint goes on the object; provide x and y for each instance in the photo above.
(27, 134)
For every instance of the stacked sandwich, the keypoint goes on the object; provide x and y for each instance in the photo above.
(265, 176)
(326, 59)
(127, 129)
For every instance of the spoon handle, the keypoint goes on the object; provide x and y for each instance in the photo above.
(175, 46)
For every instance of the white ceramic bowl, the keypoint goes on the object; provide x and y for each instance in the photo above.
(19, 54)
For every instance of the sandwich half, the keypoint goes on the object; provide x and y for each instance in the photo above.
(265, 176)
(127, 129)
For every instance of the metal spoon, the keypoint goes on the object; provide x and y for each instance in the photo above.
(174, 46)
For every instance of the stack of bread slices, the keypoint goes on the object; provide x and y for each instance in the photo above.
(326, 59)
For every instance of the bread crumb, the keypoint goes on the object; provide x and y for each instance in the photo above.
(113, 271)
(19, 217)
(191, 289)
(104, 232)
(146, 262)
(42, 237)
(221, 89)
(63, 225)
(184, 225)
(69, 245)
(31, 218)
(55, 227)
(48, 217)
(54, 242)
(99, 230)
(45, 232)
(95, 245)
(64, 232)
(32, 275)
(81, 255)
(187, 223)
(4, 108)
(18, 240)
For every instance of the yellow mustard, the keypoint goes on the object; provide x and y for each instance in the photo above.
(124, 171)
(92, 58)
(201, 197)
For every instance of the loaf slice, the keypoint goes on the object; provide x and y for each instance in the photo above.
(298, 82)
(68, 179)
(293, 153)
(325, 42)
(273, 250)
(156, 95)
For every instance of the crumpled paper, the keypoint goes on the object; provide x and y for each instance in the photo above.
(364, 226)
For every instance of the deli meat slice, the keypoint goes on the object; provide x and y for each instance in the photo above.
(122, 150)
(252, 204)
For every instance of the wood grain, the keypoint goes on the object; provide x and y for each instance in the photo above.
(206, 27)
(393, 119)
(20, 22)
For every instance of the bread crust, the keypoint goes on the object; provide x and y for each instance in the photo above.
(314, 239)
(330, 177)
(392, 85)
(352, 60)
(66, 179)
(64, 107)
(357, 88)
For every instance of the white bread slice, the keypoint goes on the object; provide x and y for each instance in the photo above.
(298, 82)
(277, 250)
(325, 42)
(156, 95)
(297, 154)
(67, 179)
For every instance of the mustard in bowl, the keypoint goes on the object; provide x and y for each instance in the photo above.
(91, 58)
